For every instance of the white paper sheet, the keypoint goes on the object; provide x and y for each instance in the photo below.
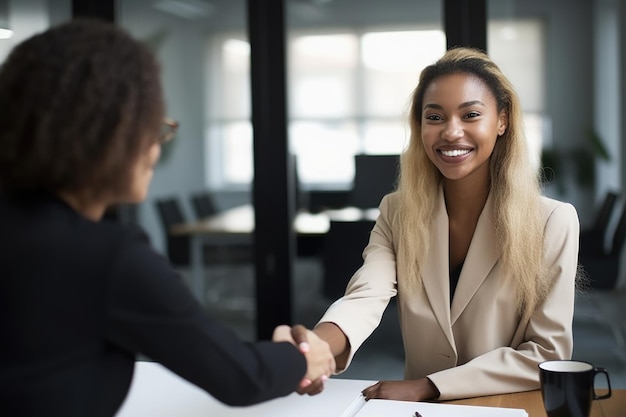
(386, 408)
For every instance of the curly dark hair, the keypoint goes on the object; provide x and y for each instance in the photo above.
(78, 104)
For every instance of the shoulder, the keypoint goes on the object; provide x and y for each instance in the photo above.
(119, 247)
(122, 233)
(390, 203)
(550, 207)
(558, 215)
(129, 241)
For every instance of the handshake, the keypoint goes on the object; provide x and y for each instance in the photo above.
(319, 358)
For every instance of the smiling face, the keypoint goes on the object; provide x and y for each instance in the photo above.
(460, 124)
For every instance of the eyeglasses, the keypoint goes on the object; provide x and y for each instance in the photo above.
(168, 130)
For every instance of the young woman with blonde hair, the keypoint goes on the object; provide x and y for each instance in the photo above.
(483, 266)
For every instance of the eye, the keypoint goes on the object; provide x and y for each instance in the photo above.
(471, 115)
(433, 117)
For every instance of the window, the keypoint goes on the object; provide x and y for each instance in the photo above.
(229, 132)
(349, 94)
(518, 47)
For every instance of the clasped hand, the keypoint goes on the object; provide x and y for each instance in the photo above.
(319, 358)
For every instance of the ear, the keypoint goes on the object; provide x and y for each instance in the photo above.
(503, 121)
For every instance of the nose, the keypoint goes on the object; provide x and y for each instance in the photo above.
(452, 130)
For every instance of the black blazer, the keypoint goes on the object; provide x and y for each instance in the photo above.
(79, 299)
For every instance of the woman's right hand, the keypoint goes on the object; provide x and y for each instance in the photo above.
(307, 341)
(319, 358)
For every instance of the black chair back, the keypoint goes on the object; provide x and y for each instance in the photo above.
(171, 213)
(619, 237)
(374, 176)
(203, 205)
(594, 239)
(603, 267)
(603, 217)
(342, 254)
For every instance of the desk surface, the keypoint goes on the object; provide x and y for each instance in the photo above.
(532, 403)
(156, 392)
(240, 220)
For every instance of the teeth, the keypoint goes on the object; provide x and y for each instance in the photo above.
(456, 152)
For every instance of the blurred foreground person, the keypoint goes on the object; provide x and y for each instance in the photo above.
(81, 127)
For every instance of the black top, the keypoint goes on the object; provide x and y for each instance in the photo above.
(455, 274)
(79, 299)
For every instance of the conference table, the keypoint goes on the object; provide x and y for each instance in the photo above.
(237, 224)
(157, 392)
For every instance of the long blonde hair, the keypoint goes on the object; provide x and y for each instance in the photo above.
(515, 186)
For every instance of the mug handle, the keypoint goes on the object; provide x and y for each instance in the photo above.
(597, 371)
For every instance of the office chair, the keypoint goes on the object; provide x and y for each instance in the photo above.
(320, 200)
(203, 205)
(593, 240)
(602, 265)
(228, 251)
(170, 213)
(601, 301)
(342, 254)
(374, 176)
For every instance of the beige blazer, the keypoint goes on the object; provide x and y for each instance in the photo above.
(479, 345)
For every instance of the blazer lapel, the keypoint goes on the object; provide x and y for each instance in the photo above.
(482, 255)
(435, 271)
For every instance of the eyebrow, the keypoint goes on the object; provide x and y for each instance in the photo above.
(461, 106)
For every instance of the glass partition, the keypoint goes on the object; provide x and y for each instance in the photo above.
(204, 55)
(352, 66)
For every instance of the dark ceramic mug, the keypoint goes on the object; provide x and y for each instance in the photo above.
(568, 387)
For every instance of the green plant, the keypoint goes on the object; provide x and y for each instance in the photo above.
(579, 162)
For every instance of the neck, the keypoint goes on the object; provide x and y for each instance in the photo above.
(89, 208)
(465, 199)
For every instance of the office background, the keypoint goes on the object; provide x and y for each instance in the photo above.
(566, 57)
(579, 78)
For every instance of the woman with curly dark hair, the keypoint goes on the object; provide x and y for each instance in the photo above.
(81, 127)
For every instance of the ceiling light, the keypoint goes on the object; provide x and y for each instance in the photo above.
(5, 33)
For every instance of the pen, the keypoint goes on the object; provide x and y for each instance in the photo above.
(417, 414)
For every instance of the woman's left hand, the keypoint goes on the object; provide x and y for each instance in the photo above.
(413, 390)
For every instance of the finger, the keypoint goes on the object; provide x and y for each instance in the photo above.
(305, 383)
(316, 387)
(311, 392)
(282, 333)
(319, 391)
(303, 390)
(370, 392)
(299, 335)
